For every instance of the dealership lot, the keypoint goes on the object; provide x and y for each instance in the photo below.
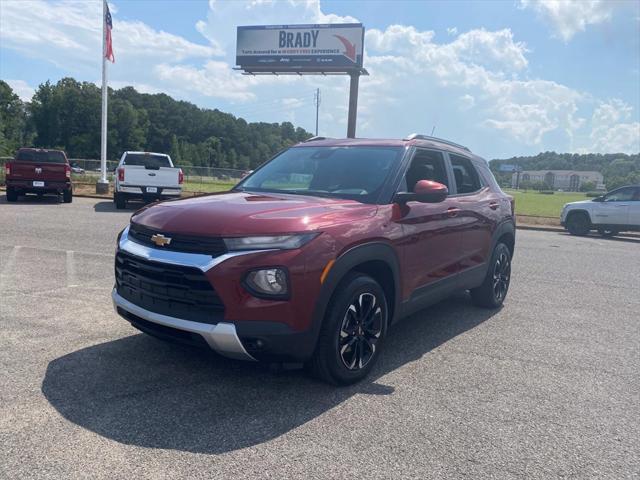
(546, 387)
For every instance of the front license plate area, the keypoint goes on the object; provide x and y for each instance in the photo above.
(38, 184)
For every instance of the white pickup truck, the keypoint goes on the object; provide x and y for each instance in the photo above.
(148, 176)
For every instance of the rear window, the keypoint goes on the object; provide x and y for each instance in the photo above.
(147, 160)
(40, 156)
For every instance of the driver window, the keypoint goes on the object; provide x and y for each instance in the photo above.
(425, 165)
(622, 195)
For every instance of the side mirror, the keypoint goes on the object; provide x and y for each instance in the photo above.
(599, 199)
(425, 191)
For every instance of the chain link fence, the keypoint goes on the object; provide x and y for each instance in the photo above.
(196, 179)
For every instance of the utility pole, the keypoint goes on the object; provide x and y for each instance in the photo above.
(316, 101)
(102, 186)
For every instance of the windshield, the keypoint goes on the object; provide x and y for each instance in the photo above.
(346, 172)
(147, 160)
(40, 156)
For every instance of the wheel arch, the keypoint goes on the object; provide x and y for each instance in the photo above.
(376, 259)
(505, 233)
(576, 211)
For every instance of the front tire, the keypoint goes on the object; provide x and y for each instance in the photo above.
(12, 195)
(352, 332)
(579, 224)
(493, 291)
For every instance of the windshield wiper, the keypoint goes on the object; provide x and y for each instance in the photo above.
(318, 193)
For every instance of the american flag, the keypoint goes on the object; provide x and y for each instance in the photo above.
(108, 48)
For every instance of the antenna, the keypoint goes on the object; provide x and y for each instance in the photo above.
(433, 130)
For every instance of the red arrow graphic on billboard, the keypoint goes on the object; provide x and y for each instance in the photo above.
(350, 48)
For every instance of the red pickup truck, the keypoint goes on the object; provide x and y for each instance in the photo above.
(39, 171)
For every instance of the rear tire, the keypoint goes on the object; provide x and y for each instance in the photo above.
(578, 224)
(12, 195)
(67, 196)
(120, 200)
(352, 332)
(494, 289)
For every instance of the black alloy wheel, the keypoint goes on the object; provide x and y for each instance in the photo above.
(360, 331)
(353, 331)
(501, 276)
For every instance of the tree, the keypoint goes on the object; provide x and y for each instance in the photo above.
(15, 130)
(588, 187)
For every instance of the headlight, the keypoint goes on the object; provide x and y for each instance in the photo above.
(276, 242)
(268, 282)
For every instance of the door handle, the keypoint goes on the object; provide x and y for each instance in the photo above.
(494, 205)
(453, 211)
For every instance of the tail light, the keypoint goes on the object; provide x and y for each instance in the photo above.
(121, 174)
(7, 169)
(67, 171)
(180, 177)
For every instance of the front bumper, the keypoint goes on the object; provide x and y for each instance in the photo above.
(250, 328)
(221, 337)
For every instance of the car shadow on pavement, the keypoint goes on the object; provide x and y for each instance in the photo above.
(623, 237)
(109, 207)
(48, 199)
(141, 391)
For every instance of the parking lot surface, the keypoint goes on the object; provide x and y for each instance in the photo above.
(546, 387)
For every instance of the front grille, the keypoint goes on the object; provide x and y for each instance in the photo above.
(172, 290)
(213, 246)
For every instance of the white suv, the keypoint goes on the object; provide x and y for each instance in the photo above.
(617, 211)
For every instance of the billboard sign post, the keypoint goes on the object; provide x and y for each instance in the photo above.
(327, 49)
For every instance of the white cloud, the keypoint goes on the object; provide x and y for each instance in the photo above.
(214, 79)
(568, 17)
(452, 30)
(68, 34)
(22, 89)
(611, 131)
(466, 101)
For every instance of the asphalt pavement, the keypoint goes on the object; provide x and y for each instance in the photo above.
(546, 387)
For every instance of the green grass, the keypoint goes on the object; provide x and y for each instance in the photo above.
(208, 187)
(534, 203)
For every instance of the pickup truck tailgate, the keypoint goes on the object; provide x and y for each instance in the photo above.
(38, 171)
(139, 175)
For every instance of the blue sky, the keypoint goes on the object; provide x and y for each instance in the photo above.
(512, 77)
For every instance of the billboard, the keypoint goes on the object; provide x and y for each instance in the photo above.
(300, 48)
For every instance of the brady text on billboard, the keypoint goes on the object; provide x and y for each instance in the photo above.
(312, 48)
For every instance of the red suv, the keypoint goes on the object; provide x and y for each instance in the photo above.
(40, 171)
(313, 255)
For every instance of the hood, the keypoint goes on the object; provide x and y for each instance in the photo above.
(244, 213)
(579, 202)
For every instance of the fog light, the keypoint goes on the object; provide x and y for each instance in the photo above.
(271, 282)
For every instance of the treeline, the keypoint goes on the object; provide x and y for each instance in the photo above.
(617, 168)
(66, 115)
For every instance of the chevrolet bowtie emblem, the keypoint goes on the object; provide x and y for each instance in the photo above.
(160, 240)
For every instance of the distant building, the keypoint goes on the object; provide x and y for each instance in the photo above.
(567, 180)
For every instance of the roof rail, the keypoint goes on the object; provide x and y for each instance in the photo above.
(313, 139)
(418, 136)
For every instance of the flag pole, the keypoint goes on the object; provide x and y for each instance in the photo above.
(103, 185)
